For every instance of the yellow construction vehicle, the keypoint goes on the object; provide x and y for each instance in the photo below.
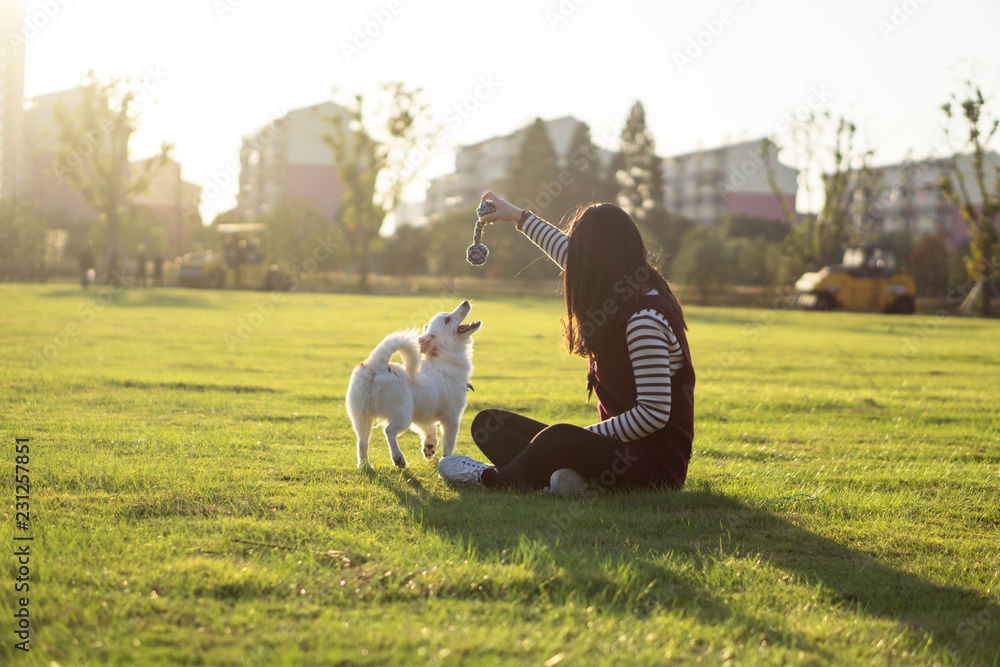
(867, 280)
(241, 264)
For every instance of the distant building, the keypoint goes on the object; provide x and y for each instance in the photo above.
(289, 157)
(485, 165)
(169, 198)
(45, 187)
(907, 197)
(12, 48)
(709, 185)
(704, 186)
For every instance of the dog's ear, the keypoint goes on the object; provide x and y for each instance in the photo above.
(428, 344)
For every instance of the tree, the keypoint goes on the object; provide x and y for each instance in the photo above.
(373, 167)
(748, 227)
(843, 171)
(979, 205)
(23, 229)
(583, 174)
(405, 252)
(294, 227)
(533, 176)
(93, 150)
(704, 261)
(752, 260)
(640, 177)
(664, 233)
(449, 236)
(534, 183)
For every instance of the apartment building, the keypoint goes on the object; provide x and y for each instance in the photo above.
(907, 197)
(289, 157)
(708, 185)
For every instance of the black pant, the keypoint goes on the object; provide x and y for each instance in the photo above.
(526, 453)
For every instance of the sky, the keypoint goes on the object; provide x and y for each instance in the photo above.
(707, 73)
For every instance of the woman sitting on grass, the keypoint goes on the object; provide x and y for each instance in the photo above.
(622, 316)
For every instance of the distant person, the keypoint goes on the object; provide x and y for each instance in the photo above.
(140, 266)
(158, 269)
(622, 316)
(87, 265)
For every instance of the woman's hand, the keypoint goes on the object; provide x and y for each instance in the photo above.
(506, 212)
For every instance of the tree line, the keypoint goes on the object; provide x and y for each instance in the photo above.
(370, 149)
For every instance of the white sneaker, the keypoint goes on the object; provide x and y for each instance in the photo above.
(461, 470)
(567, 482)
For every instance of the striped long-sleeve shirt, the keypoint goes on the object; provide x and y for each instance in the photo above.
(653, 348)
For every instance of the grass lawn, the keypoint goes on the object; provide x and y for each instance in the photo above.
(194, 497)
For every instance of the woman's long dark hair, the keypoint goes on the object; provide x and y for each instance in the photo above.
(607, 272)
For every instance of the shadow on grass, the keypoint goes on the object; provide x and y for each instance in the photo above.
(134, 297)
(673, 538)
(191, 386)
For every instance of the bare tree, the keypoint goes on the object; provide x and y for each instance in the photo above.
(373, 169)
(93, 150)
(981, 217)
(842, 170)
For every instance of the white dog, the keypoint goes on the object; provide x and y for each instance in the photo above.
(429, 387)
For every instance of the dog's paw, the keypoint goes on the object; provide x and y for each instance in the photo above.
(429, 449)
(399, 461)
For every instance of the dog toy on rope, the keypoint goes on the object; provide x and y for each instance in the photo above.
(477, 252)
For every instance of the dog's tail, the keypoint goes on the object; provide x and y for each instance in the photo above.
(404, 342)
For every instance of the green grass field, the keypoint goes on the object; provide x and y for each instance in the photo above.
(194, 497)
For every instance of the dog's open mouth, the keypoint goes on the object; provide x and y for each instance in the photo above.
(469, 328)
